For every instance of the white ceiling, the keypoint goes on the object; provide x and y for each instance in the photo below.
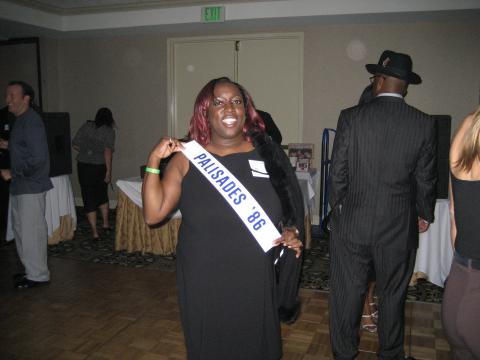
(70, 7)
(21, 18)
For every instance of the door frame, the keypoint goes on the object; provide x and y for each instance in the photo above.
(171, 42)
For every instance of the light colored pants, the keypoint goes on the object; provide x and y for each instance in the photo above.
(31, 236)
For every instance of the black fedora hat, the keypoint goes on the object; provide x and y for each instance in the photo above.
(395, 64)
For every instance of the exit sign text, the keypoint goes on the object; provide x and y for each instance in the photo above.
(213, 14)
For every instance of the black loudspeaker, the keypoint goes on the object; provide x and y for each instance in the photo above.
(57, 126)
(443, 149)
(6, 121)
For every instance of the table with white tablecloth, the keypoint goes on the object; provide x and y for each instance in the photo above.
(434, 254)
(132, 234)
(60, 213)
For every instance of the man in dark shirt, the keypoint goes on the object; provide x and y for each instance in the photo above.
(29, 178)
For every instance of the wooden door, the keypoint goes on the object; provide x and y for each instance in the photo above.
(271, 70)
(270, 66)
(194, 64)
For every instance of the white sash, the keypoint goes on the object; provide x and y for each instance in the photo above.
(236, 195)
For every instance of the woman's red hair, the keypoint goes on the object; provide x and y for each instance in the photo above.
(199, 125)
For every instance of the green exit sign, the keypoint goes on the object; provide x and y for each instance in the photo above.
(213, 14)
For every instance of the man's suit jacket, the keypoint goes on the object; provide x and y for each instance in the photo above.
(383, 173)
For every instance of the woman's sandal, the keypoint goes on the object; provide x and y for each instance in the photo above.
(374, 314)
(371, 328)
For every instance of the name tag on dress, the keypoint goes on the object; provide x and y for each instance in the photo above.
(258, 169)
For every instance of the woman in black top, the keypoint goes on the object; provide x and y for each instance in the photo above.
(227, 290)
(461, 303)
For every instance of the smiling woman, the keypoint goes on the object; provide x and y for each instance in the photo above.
(227, 117)
(227, 291)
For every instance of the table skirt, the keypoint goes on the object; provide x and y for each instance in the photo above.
(65, 230)
(435, 252)
(133, 234)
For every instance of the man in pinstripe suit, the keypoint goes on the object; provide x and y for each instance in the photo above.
(383, 178)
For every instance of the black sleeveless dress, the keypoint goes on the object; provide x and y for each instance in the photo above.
(466, 195)
(226, 287)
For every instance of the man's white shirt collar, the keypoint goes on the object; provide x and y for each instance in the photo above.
(390, 94)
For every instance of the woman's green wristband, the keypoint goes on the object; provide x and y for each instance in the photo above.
(152, 170)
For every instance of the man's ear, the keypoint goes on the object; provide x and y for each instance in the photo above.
(377, 85)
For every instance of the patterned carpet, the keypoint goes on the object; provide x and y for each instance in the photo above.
(84, 248)
(314, 273)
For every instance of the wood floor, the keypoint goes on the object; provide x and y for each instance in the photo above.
(100, 311)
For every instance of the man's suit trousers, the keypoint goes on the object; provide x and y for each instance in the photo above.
(349, 270)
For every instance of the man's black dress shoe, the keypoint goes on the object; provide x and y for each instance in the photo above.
(19, 276)
(27, 284)
(290, 315)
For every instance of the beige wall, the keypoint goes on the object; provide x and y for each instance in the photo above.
(18, 62)
(128, 74)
